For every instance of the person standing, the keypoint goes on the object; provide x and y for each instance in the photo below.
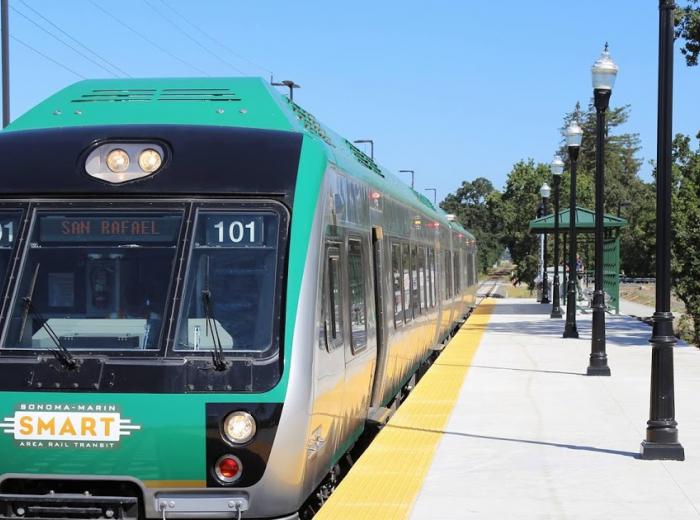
(580, 270)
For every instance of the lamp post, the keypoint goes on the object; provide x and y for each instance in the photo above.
(622, 204)
(434, 190)
(545, 192)
(574, 136)
(557, 168)
(413, 177)
(371, 146)
(289, 84)
(604, 72)
(662, 432)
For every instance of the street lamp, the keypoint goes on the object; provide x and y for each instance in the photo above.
(289, 84)
(434, 190)
(574, 136)
(662, 432)
(371, 146)
(603, 72)
(545, 192)
(413, 177)
(557, 168)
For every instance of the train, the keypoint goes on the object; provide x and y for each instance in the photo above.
(207, 297)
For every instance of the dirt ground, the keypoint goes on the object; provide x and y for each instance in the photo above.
(645, 293)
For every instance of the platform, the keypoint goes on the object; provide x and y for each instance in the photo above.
(507, 425)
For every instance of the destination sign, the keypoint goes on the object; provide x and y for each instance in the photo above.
(109, 228)
(235, 230)
(8, 231)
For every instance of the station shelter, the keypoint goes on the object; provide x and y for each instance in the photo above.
(585, 229)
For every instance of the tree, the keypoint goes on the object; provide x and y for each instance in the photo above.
(472, 203)
(688, 28)
(515, 208)
(685, 246)
(623, 187)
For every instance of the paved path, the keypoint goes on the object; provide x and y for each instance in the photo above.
(532, 437)
(635, 309)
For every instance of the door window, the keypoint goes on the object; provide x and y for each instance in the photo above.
(397, 286)
(334, 295)
(358, 304)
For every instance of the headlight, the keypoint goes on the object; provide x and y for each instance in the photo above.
(239, 427)
(118, 160)
(150, 160)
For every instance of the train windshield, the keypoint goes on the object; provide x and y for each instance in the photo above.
(95, 280)
(231, 283)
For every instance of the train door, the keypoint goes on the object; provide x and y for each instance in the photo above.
(378, 248)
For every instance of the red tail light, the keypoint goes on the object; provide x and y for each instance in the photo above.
(228, 468)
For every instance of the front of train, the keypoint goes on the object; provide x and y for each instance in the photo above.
(148, 310)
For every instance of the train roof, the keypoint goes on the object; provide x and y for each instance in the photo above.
(229, 102)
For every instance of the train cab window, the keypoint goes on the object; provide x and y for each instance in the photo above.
(95, 280)
(230, 283)
(422, 279)
(397, 285)
(356, 286)
(9, 223)
(332, 300)
(415, 286)
(406, 276)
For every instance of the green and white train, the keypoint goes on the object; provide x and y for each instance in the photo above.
(206, 296)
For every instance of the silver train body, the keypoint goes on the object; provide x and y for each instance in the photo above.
(334, 387)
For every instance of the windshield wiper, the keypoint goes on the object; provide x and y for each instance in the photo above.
(217, 353)
(61, 353)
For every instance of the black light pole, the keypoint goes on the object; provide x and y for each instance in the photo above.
(557, 168)
(413, 177)
(371, 146)
(545, 192)
(662, 432)
(574, 136)
(434, 190)
(289, 84)
(4, 26)
(622, 204)
(604, 72)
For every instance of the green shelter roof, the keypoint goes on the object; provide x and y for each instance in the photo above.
(585, 222)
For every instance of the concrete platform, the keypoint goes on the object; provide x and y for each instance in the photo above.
(532, 437)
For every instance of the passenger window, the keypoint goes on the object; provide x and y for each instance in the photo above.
(457, 272)
(358, 306)
(333, 322)
(405, 264)
(448, 275)
(397, 286)
(431, 276)
(422, 279)
(415, 287)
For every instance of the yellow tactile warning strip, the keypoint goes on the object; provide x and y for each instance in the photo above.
(385, 481)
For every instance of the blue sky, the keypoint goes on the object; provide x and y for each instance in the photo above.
(454, 89)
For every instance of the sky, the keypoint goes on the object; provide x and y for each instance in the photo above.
(453, 89)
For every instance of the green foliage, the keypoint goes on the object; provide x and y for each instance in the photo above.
(501, 220)
(688, 28)
(686, 223)
(472, 203)
(515, 208)
(625, 192)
